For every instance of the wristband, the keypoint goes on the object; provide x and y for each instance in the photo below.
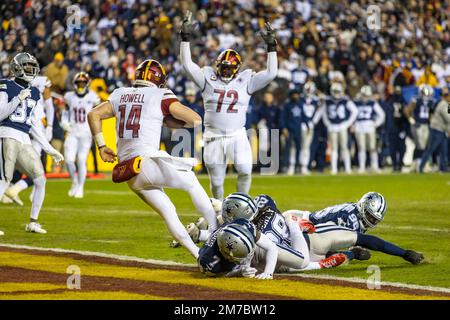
(99, 140)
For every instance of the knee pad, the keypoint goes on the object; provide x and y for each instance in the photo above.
(40, 181)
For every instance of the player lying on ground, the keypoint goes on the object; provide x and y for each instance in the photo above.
(18, 100)
(226, 95)
(324, 240)
(140, 111)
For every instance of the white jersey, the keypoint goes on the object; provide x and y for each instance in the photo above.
(41, 82)
(139, 114)
(225, 103)
(78, 108)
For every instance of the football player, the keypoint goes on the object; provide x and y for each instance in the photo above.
(79, 139)
(339, 115)
(45, 116)
(140, 111)
(226, 94)
(311, 115)
(370, 117)
(17, 121)
(418, 113)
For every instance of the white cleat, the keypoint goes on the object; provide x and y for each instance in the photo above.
(73, 189)
(79, 194)
(6, 200)
(35, 227)
(305, 171)
(2, 233)
(13, 194)
(193, 231)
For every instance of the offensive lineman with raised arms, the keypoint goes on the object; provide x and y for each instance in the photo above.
(226, 94)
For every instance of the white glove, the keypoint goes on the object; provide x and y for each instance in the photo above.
(248, 272)
(65, 126)
(49, 133)
(264, 276)
(25, 93)
(57, 157)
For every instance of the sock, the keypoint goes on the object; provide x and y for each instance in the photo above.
(374, 160)
(82, 171)
(347, 161)
(21, 185)
(3, 186)
(334, 161)
(38, 197)
(362, 160)
(71, 168)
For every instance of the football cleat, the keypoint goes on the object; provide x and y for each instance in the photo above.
(2, 233)
(6, 200)
(13, 194)
(193, 231)
(305, 225)
(175, 244)
(333, 261)
(413, 256)
(79, 194)
(73, 189)
(202, 224)
(217, 205)
(360, 253)
(35, 227)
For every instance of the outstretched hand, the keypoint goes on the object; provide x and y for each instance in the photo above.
(186, 27)
(268, 35)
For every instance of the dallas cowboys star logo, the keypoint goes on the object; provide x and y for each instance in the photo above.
(230, 245)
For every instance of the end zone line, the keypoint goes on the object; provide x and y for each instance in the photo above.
(179, 264)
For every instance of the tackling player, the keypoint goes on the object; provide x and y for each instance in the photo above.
(17, 121)
(140, 111)
(79, 139)
(226, 94)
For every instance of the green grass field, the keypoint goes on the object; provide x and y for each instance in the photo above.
(112, 219)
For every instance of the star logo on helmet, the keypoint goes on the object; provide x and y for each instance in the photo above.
(230, 245)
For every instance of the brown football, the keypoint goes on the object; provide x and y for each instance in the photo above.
(173, 123)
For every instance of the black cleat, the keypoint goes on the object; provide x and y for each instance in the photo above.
(360, 253)
(413, 257)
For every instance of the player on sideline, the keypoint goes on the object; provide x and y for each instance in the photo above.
(17, 121)
(140, 111)
(79, 139)
(226, 94)
(45, 113)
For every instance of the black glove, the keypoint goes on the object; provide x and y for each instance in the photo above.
(413, 257)
(269, 37)
(186, 27)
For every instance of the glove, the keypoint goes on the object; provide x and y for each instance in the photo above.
(65, 126)
(306, 226)
(413, 257)
(186, 27)
(269, 37)
(248, 272)
(264, 276)
(57, 157)
(25, 93)
(49, 133)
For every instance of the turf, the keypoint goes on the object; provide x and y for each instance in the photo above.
(112, 219)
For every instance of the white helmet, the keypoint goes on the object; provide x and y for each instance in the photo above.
(426, 91)
(309, 89)
(372, 209)
(238, 205)
(24, 66)
(366, 92)
(337, 90)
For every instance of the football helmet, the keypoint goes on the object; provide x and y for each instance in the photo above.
(24, 66)
(309, 89)
(366, 92)
(150, 72)
(372, 209)
(236, 242)
(228, 64)
(81, 83)
(238, 205)
(337, 90)
(426, 91)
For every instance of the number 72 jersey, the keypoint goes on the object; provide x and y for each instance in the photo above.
(226, 104)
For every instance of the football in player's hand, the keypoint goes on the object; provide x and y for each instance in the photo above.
(173, 123)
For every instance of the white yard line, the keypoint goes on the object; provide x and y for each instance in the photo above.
(172, 263)
(416, 228)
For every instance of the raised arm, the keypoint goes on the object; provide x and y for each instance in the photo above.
(102, 111)
(263, 78)
(193, 70)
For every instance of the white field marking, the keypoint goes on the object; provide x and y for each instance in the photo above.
(173, 263)
(109, 192)
(364, 281)
(387, 226)
(112, 211)
(100, 254)
(101, 241)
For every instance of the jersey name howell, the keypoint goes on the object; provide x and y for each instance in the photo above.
(132, 98)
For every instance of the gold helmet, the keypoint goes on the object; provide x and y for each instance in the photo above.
(81, 83)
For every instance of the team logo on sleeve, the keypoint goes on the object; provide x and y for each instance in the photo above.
(213, 77)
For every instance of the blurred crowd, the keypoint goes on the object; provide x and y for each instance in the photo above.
(323, 42)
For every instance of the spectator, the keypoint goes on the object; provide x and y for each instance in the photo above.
(57, 72)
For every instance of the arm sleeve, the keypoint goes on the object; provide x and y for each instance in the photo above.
(193, 70)
(263, 78)
(49, 111)
(6, 108)
(271, 253)
(381, 116)
(39, 136)
(377, 244)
